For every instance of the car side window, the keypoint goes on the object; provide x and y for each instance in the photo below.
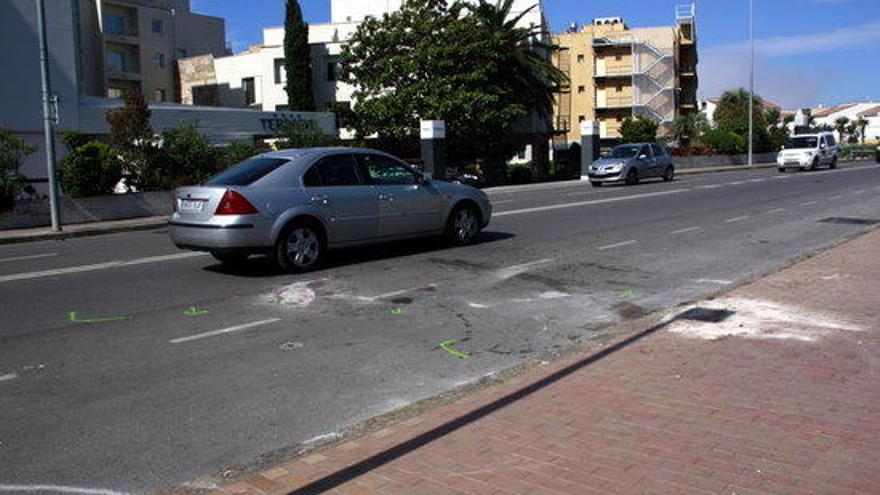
(830, 139)
(337, 171)
(384, 171)
(657, 149)
(311, 177)
(646, 150)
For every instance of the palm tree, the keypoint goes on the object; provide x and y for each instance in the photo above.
(862, 125)
(686, 129)
(840, 126)
(530, 74)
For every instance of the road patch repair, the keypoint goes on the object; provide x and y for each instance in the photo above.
(781, 397)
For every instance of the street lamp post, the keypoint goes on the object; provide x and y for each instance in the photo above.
(751, 80)
(48, 118)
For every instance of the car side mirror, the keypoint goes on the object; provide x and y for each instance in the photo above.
(822, 146)
(642, 157)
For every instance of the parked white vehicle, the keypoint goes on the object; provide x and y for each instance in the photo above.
(809, 152)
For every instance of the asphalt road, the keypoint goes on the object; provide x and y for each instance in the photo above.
(207, 368)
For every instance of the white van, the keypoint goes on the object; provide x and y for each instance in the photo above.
(809, 152)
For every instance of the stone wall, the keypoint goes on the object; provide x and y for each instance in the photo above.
(708, 161)
(35, 212)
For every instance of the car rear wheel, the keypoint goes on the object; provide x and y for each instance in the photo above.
(781, 170)
(299, 248)
(669, 174)
(632, 177)
(834, 162)
(230, 258)
(463, 225)
(595, 184)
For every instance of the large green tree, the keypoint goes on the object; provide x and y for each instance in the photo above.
(468, 65)
(732, 115)
(297, 60)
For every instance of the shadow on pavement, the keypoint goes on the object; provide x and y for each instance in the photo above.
(345, 475)
(263, 266)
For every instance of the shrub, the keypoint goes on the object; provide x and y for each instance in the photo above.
(188, 157)
(91, 169)
(235, 153)
(520, 173)
(724, 142)
(302, 134)
(12, 153)
(74, 139)
(640, 130)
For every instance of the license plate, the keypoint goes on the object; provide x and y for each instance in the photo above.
(191, 204)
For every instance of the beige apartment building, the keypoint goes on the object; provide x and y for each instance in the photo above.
(616, 73)
(133, 44)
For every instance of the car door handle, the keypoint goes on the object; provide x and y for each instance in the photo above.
(386, 197)
(320, 199)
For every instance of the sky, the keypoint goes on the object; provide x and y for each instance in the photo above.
(807, 52)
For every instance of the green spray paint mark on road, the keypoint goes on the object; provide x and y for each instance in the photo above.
(74, 318)
(193, 311)
(445, 346)
(398, 311)
(625, 293)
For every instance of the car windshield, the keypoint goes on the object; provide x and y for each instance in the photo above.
(246, 172)
(626, 151)
(802, 142)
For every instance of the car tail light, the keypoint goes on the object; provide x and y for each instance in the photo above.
(233, 203)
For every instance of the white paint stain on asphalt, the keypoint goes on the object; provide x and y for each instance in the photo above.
(717, 281)
(10, 376)
(685, 231)
(58, 489)
(587, 203)
(759, 319)
(99, 266)
(477, 305)
(297, 294)
(223, 331)
(29, 257)
(617, 245)
(512, 271)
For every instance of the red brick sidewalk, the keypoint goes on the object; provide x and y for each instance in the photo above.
(780, 396)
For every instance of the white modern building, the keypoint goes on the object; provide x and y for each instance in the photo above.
(852, 111)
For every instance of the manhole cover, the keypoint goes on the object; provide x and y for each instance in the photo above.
(850, 221)
(705, 314)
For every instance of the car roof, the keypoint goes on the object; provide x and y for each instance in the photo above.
(301, 152)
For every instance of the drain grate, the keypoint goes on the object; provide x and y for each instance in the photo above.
(850, 221)
(705, 314)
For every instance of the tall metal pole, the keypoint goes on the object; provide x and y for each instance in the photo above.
(48, 118)
(751, 80)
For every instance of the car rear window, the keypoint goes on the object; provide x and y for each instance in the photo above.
(246, 172)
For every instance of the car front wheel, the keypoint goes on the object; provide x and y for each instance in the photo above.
(299, 248)
(669, 174)
(463, 225)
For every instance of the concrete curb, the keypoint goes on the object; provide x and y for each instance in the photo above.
(83, 230)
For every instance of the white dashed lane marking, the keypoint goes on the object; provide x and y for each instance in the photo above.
(6, 378)
(618, 244)
(684, 231)
(28, 257)
(776, 210)
(808, 203)
(736, 219)
(223, 331)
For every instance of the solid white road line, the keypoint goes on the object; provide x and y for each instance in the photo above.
(512, 271)
(808, 203)
(586, 203)
(710, 186)
(58, 489)
(29, 257)
(736, 219)
(713, 281)
(223, 331)
(619, 244)
(98, 266)
(11, 376)
(836, 196)
(757, 180)
(856, 193)
(776, 210)
(684, 231)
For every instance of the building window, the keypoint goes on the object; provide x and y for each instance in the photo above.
(159, 60)
(115, 61)
(159, 95)
(618, 57)
(618, 88)
(580, 58)
(333, 69)
(280, 75)
(158, 26)
(250, 94)
(582, 89)
(581, 118)
(114, 93)
(114, 24)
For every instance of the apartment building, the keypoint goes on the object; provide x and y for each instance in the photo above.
(617, 72)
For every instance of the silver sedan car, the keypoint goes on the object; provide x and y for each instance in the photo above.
(631, 163)
(296, 204)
